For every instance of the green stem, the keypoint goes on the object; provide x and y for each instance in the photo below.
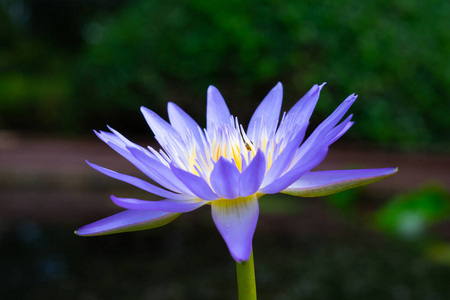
(246, 279)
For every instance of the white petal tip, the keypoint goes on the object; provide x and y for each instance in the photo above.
(212, 88)
(145, 110)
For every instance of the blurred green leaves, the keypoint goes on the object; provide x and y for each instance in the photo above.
(394, 54)
(389, 52)
(410, 215)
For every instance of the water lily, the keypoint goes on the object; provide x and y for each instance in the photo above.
(227, 167)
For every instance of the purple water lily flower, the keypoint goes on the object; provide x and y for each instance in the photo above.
(227, 167)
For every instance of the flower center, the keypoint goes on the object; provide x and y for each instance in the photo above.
(231, 143)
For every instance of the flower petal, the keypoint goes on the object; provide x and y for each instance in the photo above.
(196, 184)
(295, 173)
(120, 144)
(224, 179)
(321, 134)
(129, 220)
(139, 183)
(252, 177)
(324, 128)
(267, 113)
(183, 123)
(236, 221)
(333, 134)
(322, 183)
(342, 132)
(167, 205)
(163, 131)
(217, 112)
(304, 107)
(159, 172)
(283, 160)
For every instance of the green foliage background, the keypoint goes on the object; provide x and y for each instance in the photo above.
(394, 54)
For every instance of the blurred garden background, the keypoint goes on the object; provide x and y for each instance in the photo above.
(67, 67)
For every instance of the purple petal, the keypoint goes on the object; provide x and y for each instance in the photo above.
(283, 161)
(161, 129)
(183, 123)
(159, 172)
(167, 205)
(217, 112)
(295, 173)
(109, 137)
(236, 221)
(139, 183)
(224, 179)
(120, 144)
(124, 140)
(322, 183)
(196, 184)
(342, 132)
(335, 133)
(304, 108)
(129, 220)
(320, 134)
(267, 113)
(331, 121)
(125, 148)
(252, 177)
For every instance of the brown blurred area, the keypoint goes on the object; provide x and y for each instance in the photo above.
(46, 179)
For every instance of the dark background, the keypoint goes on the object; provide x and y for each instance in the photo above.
(67, 67)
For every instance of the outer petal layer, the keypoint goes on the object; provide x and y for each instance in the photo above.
(236, 221)
(159, 126)
(129, 220)
(167, 205)
(139, 183)
(322, 183)
(296, 172)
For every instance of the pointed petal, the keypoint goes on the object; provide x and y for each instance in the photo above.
(120, 144)
(109, 137)
(196, 184)
(267, 113)
(332, 120)
(295, 173)
(129, 220)
(129, 150)
(236, 221)
(252, 177)
(334, 133)
(159, 172)
(224, 179)
(322, 183)
(342, 132)
(140, 183)
(321, 132)
(283, 160)
(167, 205)
(304, 108)
(217, 112)
(159, 126)
(183, 123)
